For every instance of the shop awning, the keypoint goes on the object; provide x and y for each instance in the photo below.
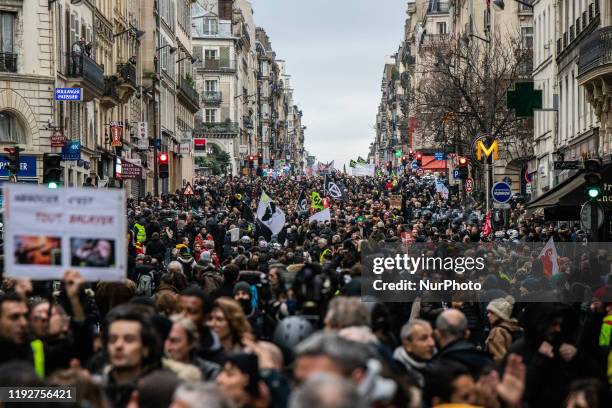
(563, 202)
(430, 163)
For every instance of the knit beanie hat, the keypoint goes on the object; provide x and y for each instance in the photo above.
(248, 364)
(242, 285)
(502, 307)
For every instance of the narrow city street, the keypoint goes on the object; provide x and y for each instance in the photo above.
(193, 217)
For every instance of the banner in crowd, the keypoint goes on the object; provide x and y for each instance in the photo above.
(302, 204)
(335, 190)
(321, 216)
(315, 201)
(363, 170)
(270, 215)
(549, 258)
(395, 201)
(50, 231)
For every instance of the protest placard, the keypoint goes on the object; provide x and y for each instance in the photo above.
(395, 201)
(49, 231)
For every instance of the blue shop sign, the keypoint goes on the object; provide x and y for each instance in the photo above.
(68, 94)
(72, 150)
(27, 166)
(440, 156)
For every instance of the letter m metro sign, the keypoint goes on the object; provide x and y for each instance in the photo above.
(493, 149)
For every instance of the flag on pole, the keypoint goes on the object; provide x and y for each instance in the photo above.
(352, 163)
(315, 201)
(361, 160)
(549, 258)
(487, 228)
(335, 190)
(270, 215)
(302, 204)
(321, 216)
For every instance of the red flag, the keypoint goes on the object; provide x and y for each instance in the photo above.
(549, 258)
(487, 228)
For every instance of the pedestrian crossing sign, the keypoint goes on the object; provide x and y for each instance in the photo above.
(188, 190)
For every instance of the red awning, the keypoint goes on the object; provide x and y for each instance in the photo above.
(430, 163)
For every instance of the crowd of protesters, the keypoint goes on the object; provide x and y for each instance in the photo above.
(218, 312)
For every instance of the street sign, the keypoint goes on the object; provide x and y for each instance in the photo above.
(456, 174)
(567, 165)
(440, 156)
(188, 190)
(415, 166)
(469, 184)
(58, 139)
(502, 206)
(68, 94)
(585, 215)
(528, 188)
(501, 192)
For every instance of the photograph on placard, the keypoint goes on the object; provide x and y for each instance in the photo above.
(38, 250)
(92, 252)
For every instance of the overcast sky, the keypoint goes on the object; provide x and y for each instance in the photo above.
(335, 52)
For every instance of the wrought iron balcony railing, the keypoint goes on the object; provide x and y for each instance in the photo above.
(81, 65)
(212, 97)
(596, 50)
(128, 73)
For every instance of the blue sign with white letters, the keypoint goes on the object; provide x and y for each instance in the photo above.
(27, 166)
(501, 192)
(72, 150)
(456, 174)
(68, 94)
(440, 156)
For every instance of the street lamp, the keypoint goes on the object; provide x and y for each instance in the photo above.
(133, 30)
(499, 4)
(172, 49)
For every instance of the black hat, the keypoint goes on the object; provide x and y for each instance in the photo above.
(249, 365)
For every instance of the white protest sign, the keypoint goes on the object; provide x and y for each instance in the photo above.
(321, 216)
(364, 170)
(49, 231)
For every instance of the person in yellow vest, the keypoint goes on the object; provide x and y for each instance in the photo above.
(46, 353)
(140, 231)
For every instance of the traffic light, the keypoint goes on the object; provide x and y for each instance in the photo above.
(260, 160)
(419, 159)
(13, 159)
(464, 172)
(164, 171)
(52, 169)
(592, 178)
(251, 162)
(411, 154)
(272, 162)
(404, 160)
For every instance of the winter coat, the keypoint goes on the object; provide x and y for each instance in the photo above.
(464, 352)
(501, 337)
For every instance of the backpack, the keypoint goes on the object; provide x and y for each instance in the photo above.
(145, 284)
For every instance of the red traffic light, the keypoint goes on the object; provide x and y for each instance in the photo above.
(411, 152)
(419, 156)
(403, 158)
(251, 158)
(163, 158)
(463, 161)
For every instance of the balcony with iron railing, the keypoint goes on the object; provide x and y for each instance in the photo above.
(596, 51)
(110, 97)
(217, 127)
(189, 95)
(8, 62)
(85, 73)
(127, 72)
(212, 97)
(222, 65)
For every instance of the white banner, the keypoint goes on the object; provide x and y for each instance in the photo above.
(50, 231)
(364, 170)
(321, 216)
(270, 215)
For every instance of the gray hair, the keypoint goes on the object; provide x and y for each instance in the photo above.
(408, 328)
(346, 312)
(452, 323)
(201, 395)
(193, 336)
(174, 265)
(326, 391)
(349, 355)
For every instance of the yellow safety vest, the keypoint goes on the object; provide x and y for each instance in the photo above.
(141, 235)
(38, 352)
